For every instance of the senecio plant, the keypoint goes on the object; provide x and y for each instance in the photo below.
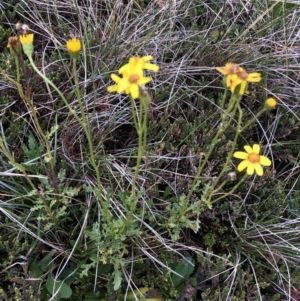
(132, 83)
(131, 80)
(237, 79)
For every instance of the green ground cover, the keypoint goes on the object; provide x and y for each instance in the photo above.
(115, 190)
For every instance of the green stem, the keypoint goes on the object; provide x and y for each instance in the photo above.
(224, 99)
(229, 157)
(140, 130)
(84, 123)
(44, 137)
(35, 118)
(253, 119)
(133, 112)
(145, 128)
(17, 67)
(231, 109)
(237, 134)
(48, 81)
(232, 190)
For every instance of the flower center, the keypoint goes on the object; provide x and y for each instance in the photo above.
(242, 75)
(233, 69)
(253, 158)
(133, 78)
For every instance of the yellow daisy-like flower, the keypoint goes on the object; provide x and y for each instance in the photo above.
(270, 103)
(133, 77)
(74, 47)
(27, 43)
(252, 160)
(237, 76)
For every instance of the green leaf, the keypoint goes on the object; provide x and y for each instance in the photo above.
(61, 175)
(95, 295)
(52, 131)
(35, 268)
(68, 275)
(104, 269)
(58, 287)
(167, 191)
(88, 188)
(44, 294)
(71, 191)
(34, 149)
(183, 268)
(46, 263)
(117, 278)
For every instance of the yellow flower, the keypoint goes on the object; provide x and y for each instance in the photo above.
(27, 43)
(145, 64)
(74, 47)
(237, 76)
(270, 103)
(133, 77)
(26, 38)
(252, 160)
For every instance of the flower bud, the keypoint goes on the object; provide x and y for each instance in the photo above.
(14, 45)
(231, 176)
(74, 47)
(270, 103)
(27, 43)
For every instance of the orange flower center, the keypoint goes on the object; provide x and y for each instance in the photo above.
(233, 69)
(253, 158)
(242, 75)
(133, 79)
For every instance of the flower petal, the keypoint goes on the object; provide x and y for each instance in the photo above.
(124, 69)
(228, 81)
(132, 63)
(222, 70)
(254, 77)
(134, 91)
(115, 78)
(240, 155)
(250, 169)
(258, 169)
(147, 58)
(248, 149)
(26, 38)
(242, 87)
(243, 165)
(151, 67)
(144, 80)
(113, 88)
(264, 161)
(139, 65)
(256, 149)
(230, 67)
(123, 84)
(235, 83)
